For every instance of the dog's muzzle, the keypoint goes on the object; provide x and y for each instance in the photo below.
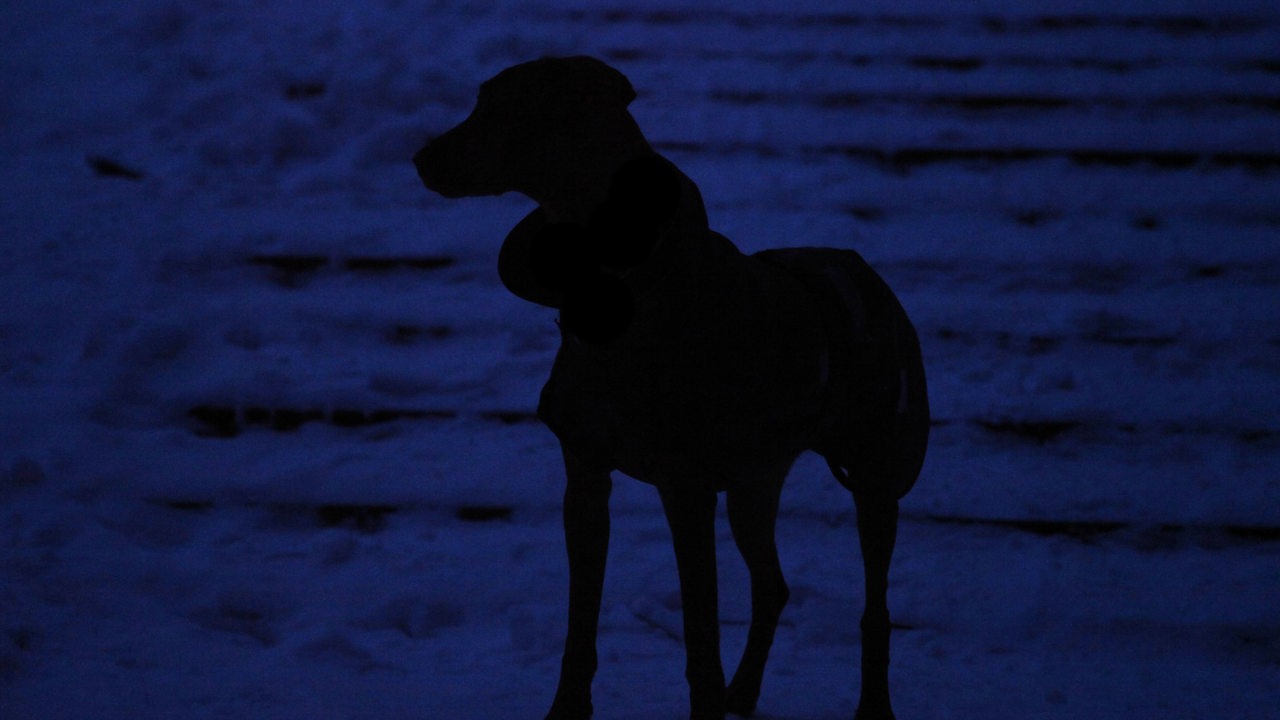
(427, 162)
(455, 165)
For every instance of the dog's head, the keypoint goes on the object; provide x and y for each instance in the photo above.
(528, 119)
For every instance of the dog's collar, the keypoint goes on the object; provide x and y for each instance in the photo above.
(515, 259)
(515, 263)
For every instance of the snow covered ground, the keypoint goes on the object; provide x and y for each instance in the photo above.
(266, 443)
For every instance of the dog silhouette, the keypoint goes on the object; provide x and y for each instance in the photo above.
(688, 365)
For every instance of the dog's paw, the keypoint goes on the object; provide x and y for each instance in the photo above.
(560, 254)
(643, 195)
(740, 700)
(597, 308)
(562, 709)
(873, 711)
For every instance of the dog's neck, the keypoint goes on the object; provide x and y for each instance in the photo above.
(573, 193)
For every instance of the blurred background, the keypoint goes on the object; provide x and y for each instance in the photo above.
(267, 443)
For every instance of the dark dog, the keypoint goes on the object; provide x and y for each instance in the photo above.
(688, 365)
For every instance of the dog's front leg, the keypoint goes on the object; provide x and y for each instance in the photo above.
(586, 534)
(691, 514)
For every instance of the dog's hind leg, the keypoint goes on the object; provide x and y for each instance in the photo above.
(877, 533)
(753, 514)
(691, 512)
(586, 532)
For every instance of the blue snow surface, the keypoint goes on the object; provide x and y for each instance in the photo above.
(267, 447)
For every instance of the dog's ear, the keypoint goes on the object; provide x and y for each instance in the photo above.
(602, 80)
(562, 82)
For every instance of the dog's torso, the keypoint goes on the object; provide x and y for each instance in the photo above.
(731, 361)
(706, 383)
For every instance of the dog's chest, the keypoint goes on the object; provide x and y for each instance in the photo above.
(608, 406)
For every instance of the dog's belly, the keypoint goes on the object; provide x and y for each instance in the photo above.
(737, 381)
